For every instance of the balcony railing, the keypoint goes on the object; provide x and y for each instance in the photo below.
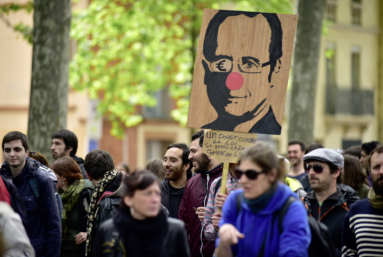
(352, 101)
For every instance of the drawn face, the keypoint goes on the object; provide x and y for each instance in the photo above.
(237, 82)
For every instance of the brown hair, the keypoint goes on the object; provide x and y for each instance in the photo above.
(156, 166)
(353, 173)
(39, 157)
(263, 155)
(378, 149)
(67, 168)
(138, 180)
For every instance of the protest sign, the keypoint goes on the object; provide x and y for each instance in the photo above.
(226, 146)
(241, 71)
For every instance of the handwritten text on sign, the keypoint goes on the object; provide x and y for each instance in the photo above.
(225, 146)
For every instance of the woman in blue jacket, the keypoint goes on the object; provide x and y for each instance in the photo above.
(249, 225)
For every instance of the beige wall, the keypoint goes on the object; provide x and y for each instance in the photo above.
(15, 74)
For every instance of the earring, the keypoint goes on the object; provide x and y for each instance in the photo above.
(63, 182)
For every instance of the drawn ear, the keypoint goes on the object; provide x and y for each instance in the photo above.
(206, 66)
(274, 74)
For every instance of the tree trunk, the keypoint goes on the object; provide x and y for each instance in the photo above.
(306, 58)
(50, 65)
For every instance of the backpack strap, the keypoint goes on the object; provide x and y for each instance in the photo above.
(34, 182)
(239, 203)
(217, 186)
(283, 211)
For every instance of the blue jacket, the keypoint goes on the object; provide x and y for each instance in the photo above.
(293, 241)
(43, 219)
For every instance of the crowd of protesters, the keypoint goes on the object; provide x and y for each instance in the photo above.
(315, 202)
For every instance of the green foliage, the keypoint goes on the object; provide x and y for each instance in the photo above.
(325, 26)
(25, 30)
(11, 7)
(127, 50)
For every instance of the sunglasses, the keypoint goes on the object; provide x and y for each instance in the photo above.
(250, 174)
(316, 167)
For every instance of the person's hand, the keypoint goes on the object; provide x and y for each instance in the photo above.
(215, 220)
(201, 213)
(220, 200)
(229, 234)
(80, 238)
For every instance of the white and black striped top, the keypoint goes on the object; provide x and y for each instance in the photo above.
(363, 231)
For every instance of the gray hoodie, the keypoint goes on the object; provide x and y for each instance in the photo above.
(15, 239)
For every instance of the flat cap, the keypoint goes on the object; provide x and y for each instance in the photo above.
(325, 155)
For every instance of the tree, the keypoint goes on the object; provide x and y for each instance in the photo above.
(127, 50)
(50, 65)
(305, 67)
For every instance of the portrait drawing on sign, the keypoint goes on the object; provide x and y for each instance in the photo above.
(241, 56)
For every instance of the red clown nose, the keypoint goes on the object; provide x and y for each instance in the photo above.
(234, 81)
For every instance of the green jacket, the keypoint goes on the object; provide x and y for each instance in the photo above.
(76, 223)
(362, 191)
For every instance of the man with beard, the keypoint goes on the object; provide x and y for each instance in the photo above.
(177, 168)
(329, 201)
(295, 152)
(240, 79)
(363, 224)
(194, 200)
(64, 143)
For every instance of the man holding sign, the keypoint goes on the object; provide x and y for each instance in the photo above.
(192, 207)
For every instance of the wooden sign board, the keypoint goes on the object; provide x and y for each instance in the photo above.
(241, 71)
(225, 146)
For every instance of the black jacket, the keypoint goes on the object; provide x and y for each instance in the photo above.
(332, 211)
(109, 202)
(109, 243)
(171, 198)
(16, 201)
(80, 163)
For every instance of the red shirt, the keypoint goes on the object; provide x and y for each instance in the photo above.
(4, 195)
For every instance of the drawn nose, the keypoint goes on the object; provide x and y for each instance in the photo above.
(234, 81)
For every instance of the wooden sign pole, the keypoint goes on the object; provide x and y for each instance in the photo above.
(224, 179)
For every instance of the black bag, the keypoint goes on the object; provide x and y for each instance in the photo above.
(321, 243)
(107, 209)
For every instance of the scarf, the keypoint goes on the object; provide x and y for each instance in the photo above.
(376, 201)
(109, 176)
(258, 204)
(141, 238)
(69, 198)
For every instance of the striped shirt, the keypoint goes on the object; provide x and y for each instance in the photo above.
(231, 185)
(363, 230)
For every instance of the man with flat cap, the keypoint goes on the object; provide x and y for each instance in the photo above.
(330, 200)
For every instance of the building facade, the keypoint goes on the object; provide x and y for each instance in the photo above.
(349, 94)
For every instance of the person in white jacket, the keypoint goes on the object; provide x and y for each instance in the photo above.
(15, 240)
